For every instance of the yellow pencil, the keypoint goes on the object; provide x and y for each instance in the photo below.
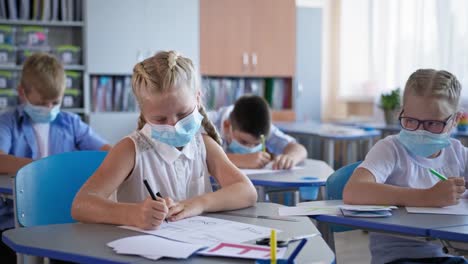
(273, 246)
(262, 138)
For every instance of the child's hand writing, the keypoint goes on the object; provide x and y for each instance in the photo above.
(185, 209)
(255, 160)
(149, 214)
(283, 162)
(447, 192)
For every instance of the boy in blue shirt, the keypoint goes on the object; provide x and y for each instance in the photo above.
(37, 128)
(242, 125)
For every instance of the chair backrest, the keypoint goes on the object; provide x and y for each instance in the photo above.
(337, 181)
(45, 188)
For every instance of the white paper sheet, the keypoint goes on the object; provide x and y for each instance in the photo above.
(207, 231)
(316, 208)
(241, 251)
(459, 209)
(267, 169)
(367, 207)
(153, 247)
(308, 210)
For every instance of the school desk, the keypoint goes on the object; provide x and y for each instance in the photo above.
(314, 173)
(401, 222)
(314, 129)
(86, 243)
(453, 233)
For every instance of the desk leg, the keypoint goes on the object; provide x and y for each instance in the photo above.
(297, 197)
(329, 146)
(369, 144)
(327, 234)
(261, 194)
(322, 193)
(351, 150)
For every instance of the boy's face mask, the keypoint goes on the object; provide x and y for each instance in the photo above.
(39, 112)
(236, 147)
(181, 133)
(42, 114)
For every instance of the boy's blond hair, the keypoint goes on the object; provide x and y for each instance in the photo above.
(432, 83)
(164, 71)
(45, 74)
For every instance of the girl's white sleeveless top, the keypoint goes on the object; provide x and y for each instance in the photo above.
(179, 175)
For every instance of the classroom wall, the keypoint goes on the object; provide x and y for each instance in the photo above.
(308, 63)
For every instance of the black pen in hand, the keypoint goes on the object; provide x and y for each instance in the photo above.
(152, 193)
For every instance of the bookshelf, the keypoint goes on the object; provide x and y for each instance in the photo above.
(112, 93)
(38, 26)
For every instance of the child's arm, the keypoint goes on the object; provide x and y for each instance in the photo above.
(292, 154)
(92, 203)
(106, 147)
(363, 189)
(236, 189)
(255, 160)
(10, 164)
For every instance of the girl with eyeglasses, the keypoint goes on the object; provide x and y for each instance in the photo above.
(396, 169)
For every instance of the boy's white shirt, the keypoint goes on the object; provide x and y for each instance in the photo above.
(41, 131)
(176, 174)
(390, 163)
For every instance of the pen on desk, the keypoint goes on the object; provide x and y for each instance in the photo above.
(438, 175)
(297, 250)
(303, 237)
(262, 138)
(152, 193)
(273, 246)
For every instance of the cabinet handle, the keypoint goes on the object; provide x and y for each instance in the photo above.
(245, 61)
(254, 60)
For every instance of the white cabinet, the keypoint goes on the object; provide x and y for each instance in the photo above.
(122, 32)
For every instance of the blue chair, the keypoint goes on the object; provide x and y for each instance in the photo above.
(337, 181)
(334, 186)
(45, 188)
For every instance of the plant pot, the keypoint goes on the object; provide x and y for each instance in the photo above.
(391, 117)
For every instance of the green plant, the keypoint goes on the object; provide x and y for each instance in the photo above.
(390, 101)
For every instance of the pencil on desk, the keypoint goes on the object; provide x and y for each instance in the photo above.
(262, 138)
(273, 246)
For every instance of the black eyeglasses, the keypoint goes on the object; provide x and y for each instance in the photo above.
(433, 126)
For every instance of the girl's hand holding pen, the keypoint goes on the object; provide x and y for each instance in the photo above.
(149, 214)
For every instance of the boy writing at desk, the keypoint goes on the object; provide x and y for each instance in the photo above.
(242, 127)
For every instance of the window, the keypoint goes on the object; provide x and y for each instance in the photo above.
(383, 41)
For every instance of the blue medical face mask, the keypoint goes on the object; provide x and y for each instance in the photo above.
(423, 143)
(181, 133)
(41, 114)
(236, 147)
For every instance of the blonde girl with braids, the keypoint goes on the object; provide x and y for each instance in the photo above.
(175, 149)
(396, 170)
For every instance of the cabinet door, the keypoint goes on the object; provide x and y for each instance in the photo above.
(274, 37)
(225, 27)
(114, 35)
(172, 25)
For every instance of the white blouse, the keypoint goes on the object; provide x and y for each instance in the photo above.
(179, 175)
